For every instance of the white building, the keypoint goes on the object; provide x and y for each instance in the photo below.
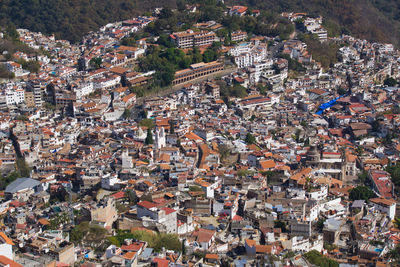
(164, 216)
(247, 54)
(107, 83)
(6, 246)
(318, 194)
(83, 89)
(126, 160)
(108, 181)
(387, 206)
(15, 96)
(160, 138)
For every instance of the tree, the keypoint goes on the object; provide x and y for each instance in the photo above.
(4, 73)
(149, 138)
(156, 241)
(325, 53)
(195, 188)
(394, 171)
(250, 139)
(149, 123)
(23, 168)
(362, 177)
(280, 224)
(197, 57)
(11, 31)
(316, 258)
(171, 127)
(183, 247)
(127, 113)
(166, 76)
(341, 91)
(243, 173)
(91, 233)
(181, 5)
(320, 224)
(224, 151)
(132, 198)
(21, 118)
(165, 41)
(361, 192)
(389, 81)
(11, 177)
(293, 65)
(394, 254)
(96, 62)
(31, 65)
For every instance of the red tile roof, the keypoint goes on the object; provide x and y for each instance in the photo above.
(161, 262)
(147, 204)
(168, 210)
(203, 235)
(118, 195)
(136, 246)
(4, 261)
(129, 255)
(382, 182)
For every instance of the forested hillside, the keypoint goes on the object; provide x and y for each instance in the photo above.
(376, 20)
(71, 19)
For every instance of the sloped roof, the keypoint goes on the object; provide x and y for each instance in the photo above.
(4, 239)
(21, 184)
(9, 262)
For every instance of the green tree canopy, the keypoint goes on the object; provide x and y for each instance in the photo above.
(318, 259)
(156, 241)
(390, 81)
(96, 62)
(149, 123)
(361, 192)
(250, 139)
(127, 113)
(149, 138)
(394, 170)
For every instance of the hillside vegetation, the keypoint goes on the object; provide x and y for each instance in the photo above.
(375, 20)
(71, 19)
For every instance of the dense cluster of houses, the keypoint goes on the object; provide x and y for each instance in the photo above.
(250, 180)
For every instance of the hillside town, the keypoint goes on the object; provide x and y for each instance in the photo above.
(261, 157)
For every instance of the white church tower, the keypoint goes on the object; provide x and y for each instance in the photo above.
(126, 160)
(160, 138)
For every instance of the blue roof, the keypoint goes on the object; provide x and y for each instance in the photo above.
(21, 184)
(147, 253)
(240, 263)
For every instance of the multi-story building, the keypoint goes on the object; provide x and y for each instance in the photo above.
(64, 98)
(381, 183)
(166, 217)
(104, 212)
(83, 89)
(107, 83)
(15, 96)
(238, 11)
(189, 38)
(387, 206)
(238, 36)
(38, 90)
(247, 54)
(213, 89)
(29, 99)
(197, 70)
